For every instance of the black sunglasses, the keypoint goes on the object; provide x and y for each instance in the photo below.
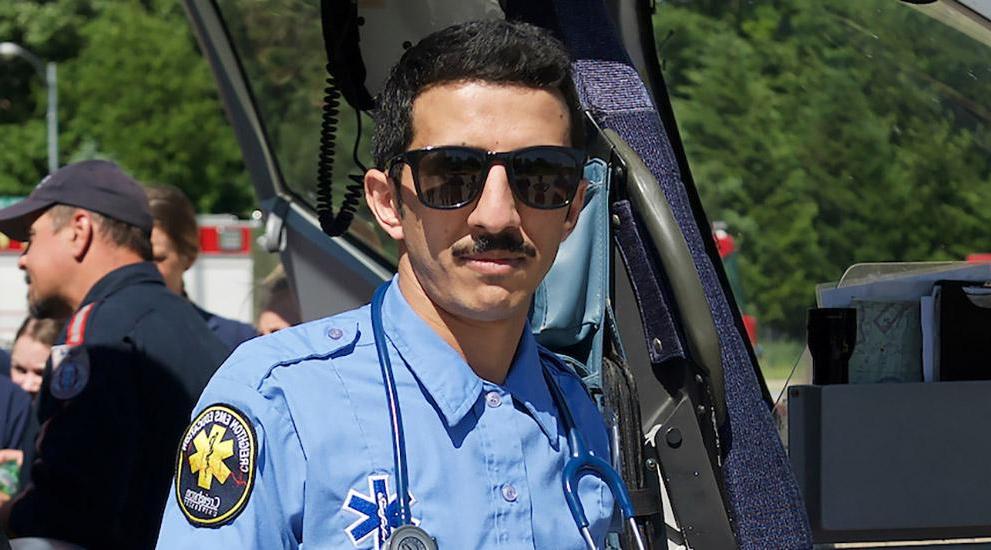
(449, 177)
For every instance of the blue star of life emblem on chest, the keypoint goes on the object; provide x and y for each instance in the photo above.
(378, 512)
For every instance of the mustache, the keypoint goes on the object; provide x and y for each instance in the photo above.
(506, 241)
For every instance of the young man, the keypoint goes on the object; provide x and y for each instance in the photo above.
(292, 442)
(124, 373)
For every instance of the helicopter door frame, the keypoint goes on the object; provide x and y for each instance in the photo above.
(333, 274)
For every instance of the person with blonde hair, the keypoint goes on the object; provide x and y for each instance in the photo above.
(32, 346)
(280, 309)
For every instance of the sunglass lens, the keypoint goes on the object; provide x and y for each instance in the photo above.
(450, 178)
(546, 177)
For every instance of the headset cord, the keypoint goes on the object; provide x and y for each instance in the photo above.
(331, 224)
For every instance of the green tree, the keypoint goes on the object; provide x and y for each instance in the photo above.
(133, 89)
(827, 134)
(50, 30)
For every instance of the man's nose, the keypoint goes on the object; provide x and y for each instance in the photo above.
(22, 259)
(495, 210)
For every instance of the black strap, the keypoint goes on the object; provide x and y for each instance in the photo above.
(646, 503)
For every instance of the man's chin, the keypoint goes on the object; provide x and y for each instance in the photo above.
(49, 308)
(497, 304)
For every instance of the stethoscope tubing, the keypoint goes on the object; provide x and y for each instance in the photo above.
(581, 463)
(392, 399)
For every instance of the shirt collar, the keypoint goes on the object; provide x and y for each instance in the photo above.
(527, 384)
(440, 369)
(449, 380)
(141, 272)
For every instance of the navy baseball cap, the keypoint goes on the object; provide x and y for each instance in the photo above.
(96, 185)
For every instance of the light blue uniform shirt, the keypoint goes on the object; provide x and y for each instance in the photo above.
(484, 459)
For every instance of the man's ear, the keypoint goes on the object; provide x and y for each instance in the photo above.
(82, 231)
(380, 193)
(187, 261)
(574, 209)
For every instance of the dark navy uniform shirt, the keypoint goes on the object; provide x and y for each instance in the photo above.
(4, 363)
(15, 407)
(232, 333)
(116, 395)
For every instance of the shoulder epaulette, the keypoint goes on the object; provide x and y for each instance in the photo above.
(76, 333)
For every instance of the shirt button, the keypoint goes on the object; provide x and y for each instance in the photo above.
(493, 399)
(509, 493)
(335, 333)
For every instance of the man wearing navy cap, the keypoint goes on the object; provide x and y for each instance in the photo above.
(124, 374)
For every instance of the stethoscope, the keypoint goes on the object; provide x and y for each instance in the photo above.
(582, 462)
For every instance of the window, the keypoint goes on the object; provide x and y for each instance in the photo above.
(280, 45)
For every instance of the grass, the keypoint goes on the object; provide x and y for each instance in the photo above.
(778, 357)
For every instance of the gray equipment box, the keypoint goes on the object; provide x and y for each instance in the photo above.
(893, 461)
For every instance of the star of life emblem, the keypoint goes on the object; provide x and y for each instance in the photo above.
(378, 512)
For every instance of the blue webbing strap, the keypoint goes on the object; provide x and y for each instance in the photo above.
(763, 496)
(658, 319)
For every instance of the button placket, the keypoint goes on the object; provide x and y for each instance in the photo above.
(493, 399)
(509, 492)
(513, 508)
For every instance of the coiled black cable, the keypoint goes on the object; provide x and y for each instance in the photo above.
(333, 224)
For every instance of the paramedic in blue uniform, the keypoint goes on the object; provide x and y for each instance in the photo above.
(290, 444)
(125, 372)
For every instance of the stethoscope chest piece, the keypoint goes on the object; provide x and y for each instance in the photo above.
(410, 537)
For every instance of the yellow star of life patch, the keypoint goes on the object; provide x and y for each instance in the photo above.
(215, 467)
(209, 457)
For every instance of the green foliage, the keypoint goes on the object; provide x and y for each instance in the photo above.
(778, 358)
(826, 134)
(132, 88)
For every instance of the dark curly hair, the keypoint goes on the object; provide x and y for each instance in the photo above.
(494, 51)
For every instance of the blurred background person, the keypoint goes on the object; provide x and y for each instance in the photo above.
(15, 416)
(175, 241)
(122, 378)
(280, 308)
(32, 346)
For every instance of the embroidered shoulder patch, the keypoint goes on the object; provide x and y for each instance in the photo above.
(215, 469)
(70, 371)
